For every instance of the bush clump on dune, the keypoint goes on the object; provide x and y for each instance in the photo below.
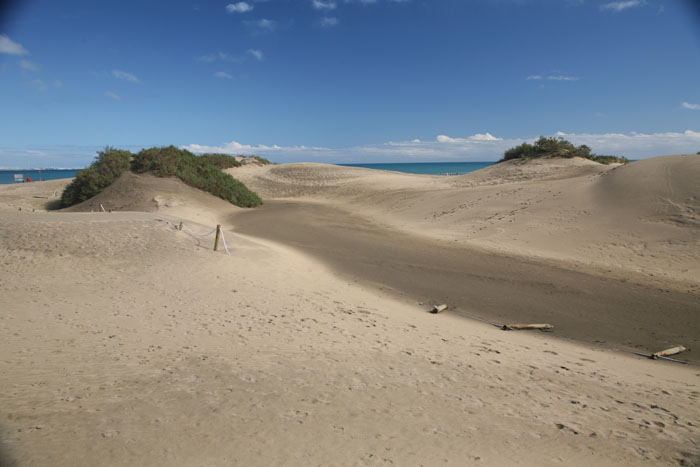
(198, 172)
(108, 166)
(557, 147)
(195, 171)
(222, 161)
(262, 160)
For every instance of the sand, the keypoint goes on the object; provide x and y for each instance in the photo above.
(128, 342)
(638, 222)
(597, 309)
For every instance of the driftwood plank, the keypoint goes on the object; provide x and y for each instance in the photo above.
(515, 327)
(439, 308)
(668, 352)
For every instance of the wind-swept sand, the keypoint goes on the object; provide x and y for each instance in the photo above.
(128, 342)
(640, 220)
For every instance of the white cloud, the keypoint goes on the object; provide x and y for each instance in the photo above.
(61, 156)
(8, 46)
(562, 78)
(258, 54)
(29, 66)
(328, 22)
(262, 25)
(622, 5)
(114, 96)
(688, 105)
(219, 56)
(553, 78)
(476, 137)
(478, 147)
(39, 85)
(240, 7)
(321, 5)
(125, 76)
(58, 84)
(223, 74)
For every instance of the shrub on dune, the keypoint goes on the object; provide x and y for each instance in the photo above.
(108, 166)
(169, 161)
(194, 171)
(222, 161)
(557, 147)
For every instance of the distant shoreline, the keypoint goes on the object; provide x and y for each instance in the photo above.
(7, 175)
(426, 168)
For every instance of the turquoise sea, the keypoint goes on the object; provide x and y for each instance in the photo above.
(7, 176)
(427, 168)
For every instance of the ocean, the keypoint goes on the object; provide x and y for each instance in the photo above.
(427, 168)
(7, 176)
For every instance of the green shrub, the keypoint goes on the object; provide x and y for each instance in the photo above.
(108, 166)
(556, 147)
(262, 160)
(222, 161)
(194, 171)
(609, 159)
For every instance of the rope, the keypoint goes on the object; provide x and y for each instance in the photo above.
(223, 240)
(189, 231)
(184, 227)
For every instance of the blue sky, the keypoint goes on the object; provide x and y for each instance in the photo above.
(347, 80)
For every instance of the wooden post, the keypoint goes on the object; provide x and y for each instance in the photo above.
(218, 235)
(179, 227)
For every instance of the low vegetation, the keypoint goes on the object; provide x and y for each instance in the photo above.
(108, 166)
(196, 171)
(222, 161)
(557, 147)
(264, 161)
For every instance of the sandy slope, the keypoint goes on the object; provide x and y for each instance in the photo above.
(127, 342)
(639, 221)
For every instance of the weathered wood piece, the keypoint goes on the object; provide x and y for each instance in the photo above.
(439, 308)
(518, 327)
(668, 352)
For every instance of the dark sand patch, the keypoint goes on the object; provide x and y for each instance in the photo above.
(583, 307)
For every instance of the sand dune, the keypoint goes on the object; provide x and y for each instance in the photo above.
(637, 221)
(168, 196)
(128, 342)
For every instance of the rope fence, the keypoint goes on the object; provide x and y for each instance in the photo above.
(217, 230)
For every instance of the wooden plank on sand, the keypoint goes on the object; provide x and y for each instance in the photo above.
(668, 352)
(517, 327)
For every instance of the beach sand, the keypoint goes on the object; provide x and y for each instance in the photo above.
(129, 342)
